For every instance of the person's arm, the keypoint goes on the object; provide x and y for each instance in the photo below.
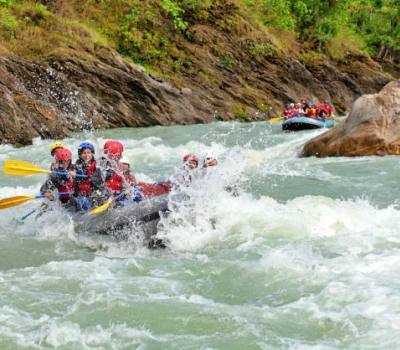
(97, 179)
(132, 179)
(48, 188)
(106, 168)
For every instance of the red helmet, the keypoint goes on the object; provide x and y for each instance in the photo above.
(63, 154)
(113, 147)
(190, 157)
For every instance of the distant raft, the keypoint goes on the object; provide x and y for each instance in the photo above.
(305, 123)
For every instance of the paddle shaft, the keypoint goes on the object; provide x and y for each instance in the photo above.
(27, 215)
(59, 193)
(57, 172)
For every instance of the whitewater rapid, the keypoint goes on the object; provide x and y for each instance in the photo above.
(304, 257)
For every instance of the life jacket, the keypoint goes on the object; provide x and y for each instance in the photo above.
(310, 112)
(286, 112)
(329, 109)
(157, 189)
(129, 178)
(67, 186)
(321, 110)
(116, 183)
(84, 187)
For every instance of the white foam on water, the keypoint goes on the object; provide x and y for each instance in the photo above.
(215, 217)
(310, 272)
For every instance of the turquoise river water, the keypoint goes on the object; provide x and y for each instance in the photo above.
(306, 257)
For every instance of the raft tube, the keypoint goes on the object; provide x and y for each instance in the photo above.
(138, 219)
(305, 123)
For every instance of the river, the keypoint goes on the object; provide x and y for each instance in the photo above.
(305, 257)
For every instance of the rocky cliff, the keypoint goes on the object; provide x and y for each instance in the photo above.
(56, 76)
(71, 92)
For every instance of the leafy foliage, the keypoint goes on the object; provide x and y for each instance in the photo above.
(149, 31)
(374, 24)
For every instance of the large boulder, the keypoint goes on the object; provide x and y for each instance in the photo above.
(372, 128)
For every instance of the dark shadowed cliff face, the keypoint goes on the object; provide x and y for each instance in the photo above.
(71, 91)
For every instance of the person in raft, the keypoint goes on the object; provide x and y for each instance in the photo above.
(53, 148)
(125, 168)
(110, 167)
(190, 164)
(210, 160)
(135, 193)
(61, 180)
(89, 185)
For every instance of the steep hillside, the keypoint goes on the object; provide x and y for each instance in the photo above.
(68, 65)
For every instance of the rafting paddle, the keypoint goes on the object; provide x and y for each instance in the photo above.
(275, 119)
(18, 200)
(23, 168)
(105, 205)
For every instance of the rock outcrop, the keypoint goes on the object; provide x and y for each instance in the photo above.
(372, 128)
(74, 90)
(61, 95)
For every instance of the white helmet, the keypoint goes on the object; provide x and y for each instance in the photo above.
(124, 160)
(210, 155)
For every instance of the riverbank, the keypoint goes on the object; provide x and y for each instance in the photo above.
(64, 70)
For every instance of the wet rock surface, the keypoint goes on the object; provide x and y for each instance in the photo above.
(372, 128)
(73, 91)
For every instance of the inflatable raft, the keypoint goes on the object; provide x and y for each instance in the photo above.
(305, 123)
(139, 219)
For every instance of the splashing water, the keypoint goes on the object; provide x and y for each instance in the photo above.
(301, 255)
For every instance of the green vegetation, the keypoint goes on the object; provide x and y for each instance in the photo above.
(154, 32)
(337, 27)
(263, 107)
(240, 112)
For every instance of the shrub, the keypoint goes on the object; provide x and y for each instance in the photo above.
(6, 3)
(176, 12)
(262, 49)
(311, 58)
(240, 112)
(226, 61)
(8, 24)
(32, 13)
(263, 107)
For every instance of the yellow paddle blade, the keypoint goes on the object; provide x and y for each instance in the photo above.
(101, 208)
(14, 201)
(275, 119)
(22, 168)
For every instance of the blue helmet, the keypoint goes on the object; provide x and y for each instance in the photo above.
(85, 145)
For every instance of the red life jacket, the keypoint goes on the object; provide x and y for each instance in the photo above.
(67, 187)
(154, 189)
(84, 187)
(329, 109)
(129, 178)
(321, 107)
(116, 183)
